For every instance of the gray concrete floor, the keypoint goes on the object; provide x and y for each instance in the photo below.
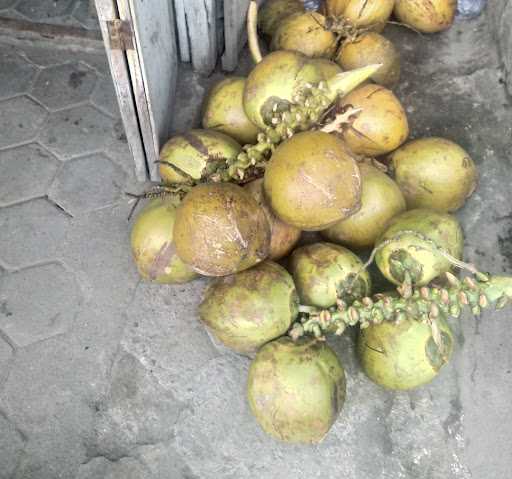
(104, 376)
(71, 13)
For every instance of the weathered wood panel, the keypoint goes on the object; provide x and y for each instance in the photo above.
(107, 11)
(197, 26)
(154, 66)
(182, 29)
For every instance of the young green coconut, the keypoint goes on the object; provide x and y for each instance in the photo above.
(220, 229)
(194, 154)
(404, 354)
(283, 237)
(325, 272)
(283, 79)
(273, 12)
(381, 200)
(312, 182)
(418, 246)
(153, 248)
(224, 111)
(380, 127)
(305, 33)
(363, 14)
(248, 309)
(296, 389)
(370, 48)
(327, 68)
(426, 16)
(434, 173)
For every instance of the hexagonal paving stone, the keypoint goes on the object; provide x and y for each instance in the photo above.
(104, 96)
(26, 172)
(16, 73)
(88, 183)
(87, 17)
(20, 120)
(11, 448)
(31, 232)
(38, 303)
(77, 130)
(43, 10)
(64, 85)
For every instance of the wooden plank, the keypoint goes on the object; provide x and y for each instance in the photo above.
(200, 17)
(107, 11)
(235, 32)
(182, 29)
(154, 66)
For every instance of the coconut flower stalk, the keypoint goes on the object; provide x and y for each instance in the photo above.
(309, 106)
(426, 304)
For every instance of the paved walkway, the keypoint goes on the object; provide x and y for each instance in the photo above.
(71, 13)
(102, 376)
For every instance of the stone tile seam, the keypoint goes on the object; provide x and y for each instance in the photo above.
(81, 293)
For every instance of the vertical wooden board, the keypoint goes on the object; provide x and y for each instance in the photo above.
(154, 69)
(202, 33)
(235, 31)
(181, 27)
(119, 70)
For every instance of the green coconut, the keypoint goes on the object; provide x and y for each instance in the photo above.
(283, 237)
(276, 80)
(403, 355)
(246, 310)
(416, 242)
(312, 181)
(220, 229)
(192, 155)
(324, 272)
(381, 200)
(434, 173)
(153, 248)
(370, 48)
(296, 390)
(305, 33)
(273, 12)
(224, 111)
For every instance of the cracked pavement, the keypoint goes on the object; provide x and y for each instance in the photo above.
(104, 376)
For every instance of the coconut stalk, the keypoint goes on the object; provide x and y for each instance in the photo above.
(425, 304)
(310, 104)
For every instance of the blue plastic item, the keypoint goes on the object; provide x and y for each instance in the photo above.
(312, 4)
(467, 9)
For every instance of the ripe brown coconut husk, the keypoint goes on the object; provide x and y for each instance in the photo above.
(283, 237)
(370, 48)
(434, 173)
(381, 200)
(220, 229)
(305, 33)
(380, 127)
(426, 16)
(312, 181)
(224, 111)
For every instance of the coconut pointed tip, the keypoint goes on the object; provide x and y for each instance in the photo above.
(345, 82)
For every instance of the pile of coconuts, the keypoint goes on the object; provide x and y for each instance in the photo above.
(300, 145)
